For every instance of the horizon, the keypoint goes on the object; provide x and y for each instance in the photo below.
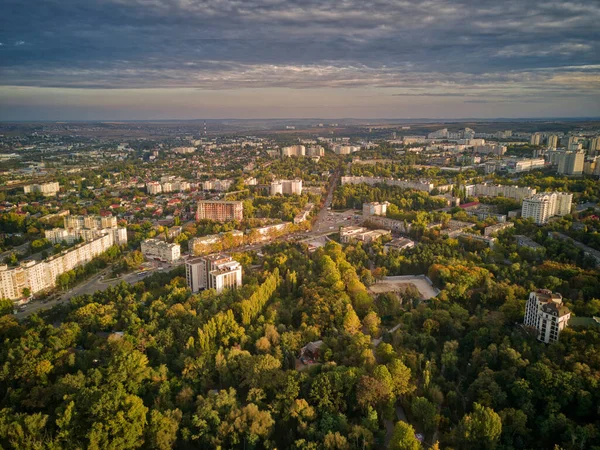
(144, 60)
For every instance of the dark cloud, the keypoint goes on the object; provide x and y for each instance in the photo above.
(445, 45)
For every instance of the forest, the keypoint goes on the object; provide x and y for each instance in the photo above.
(154, 366)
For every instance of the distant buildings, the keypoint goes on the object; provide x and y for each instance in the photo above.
(160, 250)
(375, 209)
(293, 150)
(536, 139)
(287, 187)
(545, 312)
(315, 150)
(422, 185)
(552, 141)
(542, 206)
(153, 188)
(216, 271)
(439, 134)
(46, 189)
(183, 150)
(345, 149)
(220, 210)
(217, 185)
(490, 149)
(72, 235)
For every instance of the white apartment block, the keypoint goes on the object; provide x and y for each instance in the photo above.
(46, 189)
(499, 190)
(345, 149)
(553, 141)
(217, 185)
(90, 222)
(541, 207)
(287, 187)
(545, 312)
(536, 139)
(422, 185)
(72, 235)
(293, 150)
(375, 209)
(215, 271)
(153, 188)
(490, 149)
(160, 250)
(39, 276)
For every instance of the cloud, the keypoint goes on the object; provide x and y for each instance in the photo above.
(448, 47)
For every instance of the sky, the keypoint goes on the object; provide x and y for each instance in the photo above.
(186, 59)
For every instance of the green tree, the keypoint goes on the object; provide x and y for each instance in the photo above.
(403, 438)
(480, 429)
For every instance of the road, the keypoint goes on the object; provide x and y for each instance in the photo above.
(97, 283)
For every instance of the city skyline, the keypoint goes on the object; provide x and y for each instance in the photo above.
(146, 60)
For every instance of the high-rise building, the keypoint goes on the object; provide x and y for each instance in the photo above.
(288, 187)
(46, 189)
(439, 134)
(315, 150)
(215, 271)
(536, 139)
(540, 207)
(571, 163)
(594, 145)
(220, 210)
(552, 141)
(293, 150)
(545, 312)
(345, 149)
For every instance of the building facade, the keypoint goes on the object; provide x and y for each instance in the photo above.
(220, 210)
(46, 189)
(160, 250)
(38, 276)
(541, 207)
(545, 312)
(375, 209)
(216, 271)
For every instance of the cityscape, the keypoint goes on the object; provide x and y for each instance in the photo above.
(300, 225)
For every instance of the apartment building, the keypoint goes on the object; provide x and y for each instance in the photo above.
(90, 222)
(375, 209)
(204, 244)
(46, 189)
(345, 149)
(153, 188)
(541, 207)
(220, 210)
(293, 150)
(571, 163)
(160, 250)
(215, 271)
(421, 185)
(315, 150)
(545, 312)
(72, 235)
(287, 187)
(217, 185)
(41, 275)
(499, 190)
